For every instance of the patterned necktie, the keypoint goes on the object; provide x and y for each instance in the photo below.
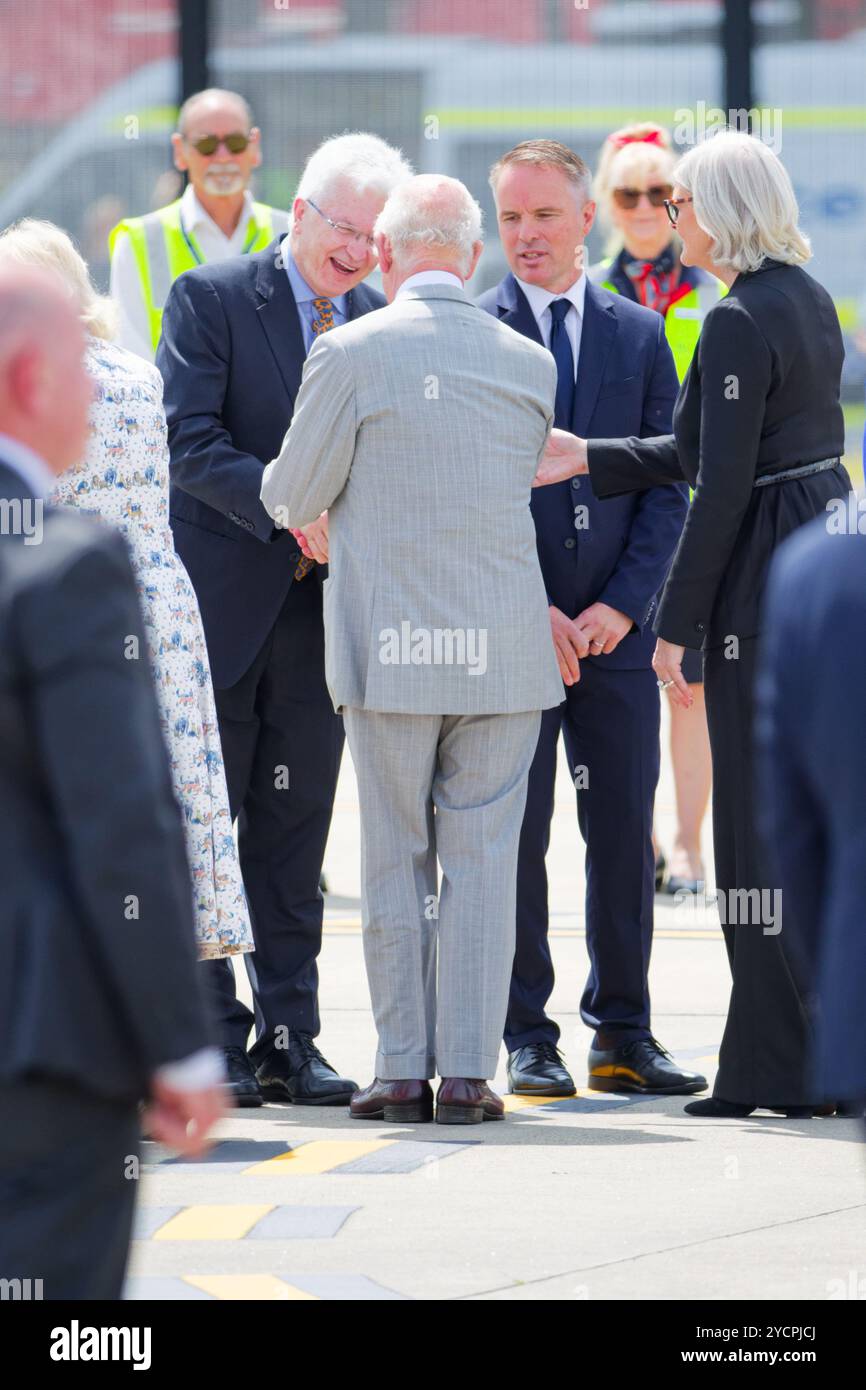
(325, 319)
(560, 346)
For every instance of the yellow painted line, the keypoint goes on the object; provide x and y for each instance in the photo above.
(319, 1156)
(211, 1223)
(248, 1286)
(530, 1102)
(711, 1060)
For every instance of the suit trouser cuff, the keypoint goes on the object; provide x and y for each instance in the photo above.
(475, 1065)
(409, 1067)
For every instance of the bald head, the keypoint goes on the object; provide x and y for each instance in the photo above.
(430, 222)
(44, 389)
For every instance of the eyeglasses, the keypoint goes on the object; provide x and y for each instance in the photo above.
(209, 144)
(673, 206)
(630, 197)
(346, 229)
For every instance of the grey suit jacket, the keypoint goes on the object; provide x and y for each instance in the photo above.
(420, 427)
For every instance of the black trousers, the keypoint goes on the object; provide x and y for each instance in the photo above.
(610, 724)
(767, 1044)
(281, 743)
(68, 1183)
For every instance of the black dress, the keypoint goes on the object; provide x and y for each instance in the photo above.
(761, 396)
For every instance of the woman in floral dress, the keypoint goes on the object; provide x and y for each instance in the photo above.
(123, 479)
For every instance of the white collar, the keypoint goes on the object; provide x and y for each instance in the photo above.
(193, 215)
(28, 465)
(541, 299)
(429, 277)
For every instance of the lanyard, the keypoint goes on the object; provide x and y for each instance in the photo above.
(195, 250)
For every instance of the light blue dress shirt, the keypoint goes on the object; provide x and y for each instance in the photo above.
(304, 297)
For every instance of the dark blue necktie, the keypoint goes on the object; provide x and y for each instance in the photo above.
(564, 359)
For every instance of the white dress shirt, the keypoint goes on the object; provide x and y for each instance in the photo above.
(540, 301)
(28, 465)
(133, 327)
(429, 277)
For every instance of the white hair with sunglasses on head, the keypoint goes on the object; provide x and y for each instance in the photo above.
(744, 200)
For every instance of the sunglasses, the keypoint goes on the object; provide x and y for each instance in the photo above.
(673, 208)
(630, 197)
(209, 144)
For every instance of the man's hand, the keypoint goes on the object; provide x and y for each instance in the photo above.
(603, 627)
(313, 540)
(564, 456)
(570, 644)
(182, 1119)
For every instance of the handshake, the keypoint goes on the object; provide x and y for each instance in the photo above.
(313, 540)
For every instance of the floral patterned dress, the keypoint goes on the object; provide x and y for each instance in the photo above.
(123, 479)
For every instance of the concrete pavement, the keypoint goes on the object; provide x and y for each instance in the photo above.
(599, 1197)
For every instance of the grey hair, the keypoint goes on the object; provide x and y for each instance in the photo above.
(417, 216)
(213, 94)
(743, 200)
(362, 160)
(42, 244)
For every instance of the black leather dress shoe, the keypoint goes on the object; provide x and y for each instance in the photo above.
(240, 1084)
(398, 1102)
(299, 1075)
(642, 1066)
(537, 1069)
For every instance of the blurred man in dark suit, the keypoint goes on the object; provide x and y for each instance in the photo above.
(812, 759)
(100, 1004)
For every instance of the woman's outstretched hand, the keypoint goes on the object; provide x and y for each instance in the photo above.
(563, 457)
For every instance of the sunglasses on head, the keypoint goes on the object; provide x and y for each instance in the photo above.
(209, 144)
(630, 197)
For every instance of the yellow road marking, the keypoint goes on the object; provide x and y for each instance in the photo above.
(529, 1102)
(211, 1223)
(247, 1286)
(319, 1156)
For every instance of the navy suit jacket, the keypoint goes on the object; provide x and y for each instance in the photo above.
(811, 691)
(232, 356)
(626, 384)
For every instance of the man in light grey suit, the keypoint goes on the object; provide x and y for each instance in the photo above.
(419, 426)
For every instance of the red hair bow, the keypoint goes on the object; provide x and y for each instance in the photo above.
(654, 137)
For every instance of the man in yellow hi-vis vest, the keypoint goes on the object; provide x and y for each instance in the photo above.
(218, 147)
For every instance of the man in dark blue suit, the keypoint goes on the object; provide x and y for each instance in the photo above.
(811, 748)
(603, 564)
(235, 337)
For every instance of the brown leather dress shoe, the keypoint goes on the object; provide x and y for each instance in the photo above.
(398, 1102)
(463, 1101)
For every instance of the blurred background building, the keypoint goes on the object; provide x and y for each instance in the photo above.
(89, 91)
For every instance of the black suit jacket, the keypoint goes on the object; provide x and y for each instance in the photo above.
(99, 983)
(761, 396)
(232, 356)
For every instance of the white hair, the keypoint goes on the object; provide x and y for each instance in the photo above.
(743, 200)
(431, 211)
(363, 161)
(33, 242)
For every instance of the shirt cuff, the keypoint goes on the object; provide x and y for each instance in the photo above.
(198, 1072)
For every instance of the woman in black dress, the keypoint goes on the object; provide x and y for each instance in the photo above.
(758, 433)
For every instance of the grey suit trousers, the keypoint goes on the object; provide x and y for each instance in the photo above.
(451, 787)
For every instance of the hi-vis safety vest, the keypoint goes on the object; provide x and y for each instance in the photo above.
(683, 319)
(163, 249)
